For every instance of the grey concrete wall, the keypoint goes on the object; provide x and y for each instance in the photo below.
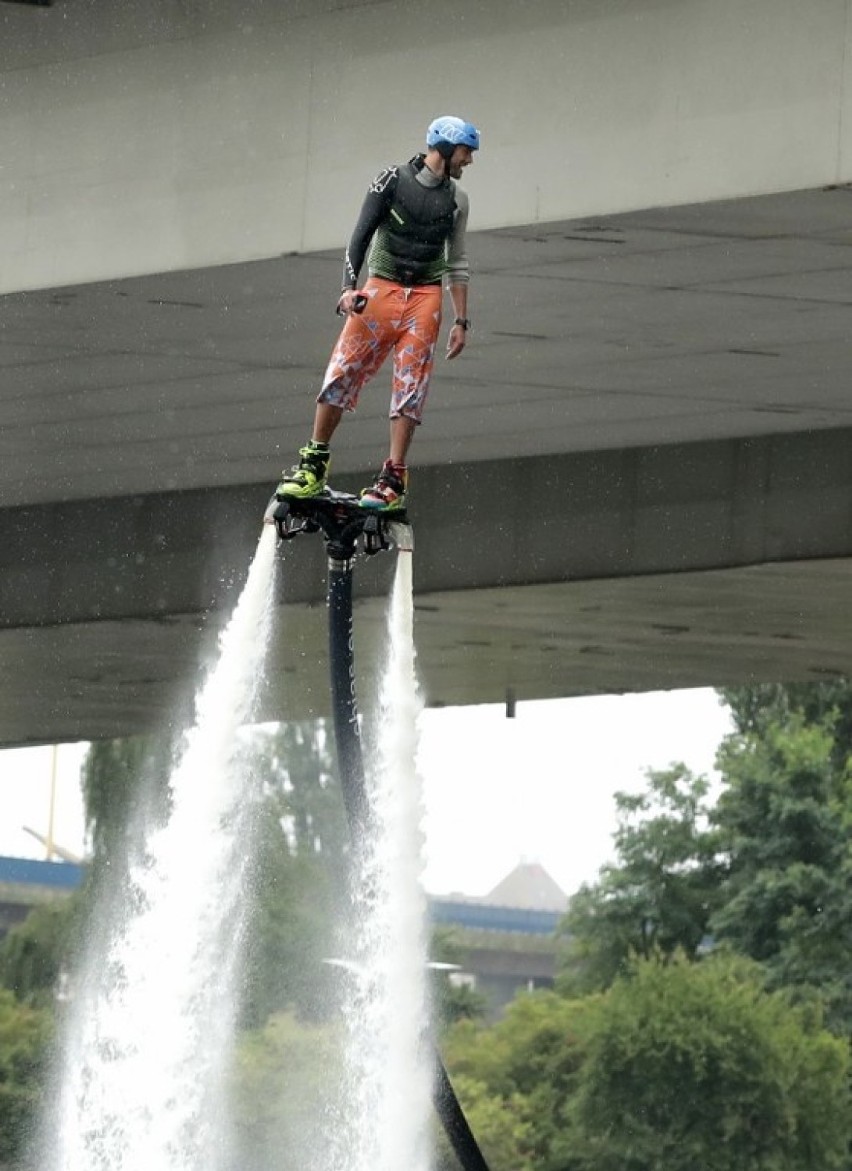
(138, 137)
(596, 515)
(704, 564)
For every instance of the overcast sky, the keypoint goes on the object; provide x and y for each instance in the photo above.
(538, 787)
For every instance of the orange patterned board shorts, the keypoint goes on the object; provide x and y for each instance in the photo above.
(397, 319)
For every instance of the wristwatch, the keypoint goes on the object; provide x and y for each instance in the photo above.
(464, 322)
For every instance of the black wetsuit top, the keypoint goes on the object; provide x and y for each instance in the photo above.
(408, 214)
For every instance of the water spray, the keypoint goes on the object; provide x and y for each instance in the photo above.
(150, 1030)
(347, 530)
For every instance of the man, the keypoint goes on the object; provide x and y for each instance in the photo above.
(413, 221)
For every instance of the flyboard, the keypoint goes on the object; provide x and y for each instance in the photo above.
(347, 529)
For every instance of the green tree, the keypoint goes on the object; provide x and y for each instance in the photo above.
(517, 1079)
(298, 849)
(285, 1087)
(452, 1002)
(500, 1125)
(36, 953)
(765, 705)
(300, 775)
(298, 873)
(25, 1034)
(658, 894)
(291, 930)
(119, 777)
(695, 1065)
(785, 817)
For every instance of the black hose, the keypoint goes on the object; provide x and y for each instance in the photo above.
(456, 1126)
(350, 761)
(347, 732)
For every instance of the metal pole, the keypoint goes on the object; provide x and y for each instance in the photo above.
(52, 807)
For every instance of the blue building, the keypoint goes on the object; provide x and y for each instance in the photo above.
(508, 936)
(26, 883)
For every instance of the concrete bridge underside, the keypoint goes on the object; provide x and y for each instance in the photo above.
(637, 477)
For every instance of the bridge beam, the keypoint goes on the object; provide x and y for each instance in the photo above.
(676, 566)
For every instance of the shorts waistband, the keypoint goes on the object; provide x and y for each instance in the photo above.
(407, 284)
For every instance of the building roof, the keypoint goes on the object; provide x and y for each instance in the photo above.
(528, 886)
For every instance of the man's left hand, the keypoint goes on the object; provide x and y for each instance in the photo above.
(456, 341)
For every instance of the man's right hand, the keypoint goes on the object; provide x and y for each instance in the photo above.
(351, 301)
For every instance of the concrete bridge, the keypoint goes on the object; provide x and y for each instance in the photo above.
(638, 474)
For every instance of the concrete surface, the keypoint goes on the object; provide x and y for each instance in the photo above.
(669, 386)
(142, 136)
(708, 563)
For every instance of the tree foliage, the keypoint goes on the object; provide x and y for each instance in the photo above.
(516, 1080)
(695, 1065)
(767, 871)
(25, 1034)
(760, 707)
(658, 894)
(784, 816)
(678, 1065)
(299, 873)
(37, 953)
(291, 930)
(452, 1002)
(645, 1060)
(300, 778)
(119, 777)
(285, 1090)
(298, 848)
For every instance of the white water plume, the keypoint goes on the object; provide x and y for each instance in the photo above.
(389, 1062)
(150, 1031)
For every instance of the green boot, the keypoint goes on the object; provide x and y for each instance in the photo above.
(309, 476)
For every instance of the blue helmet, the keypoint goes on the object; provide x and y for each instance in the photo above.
(447, 132)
